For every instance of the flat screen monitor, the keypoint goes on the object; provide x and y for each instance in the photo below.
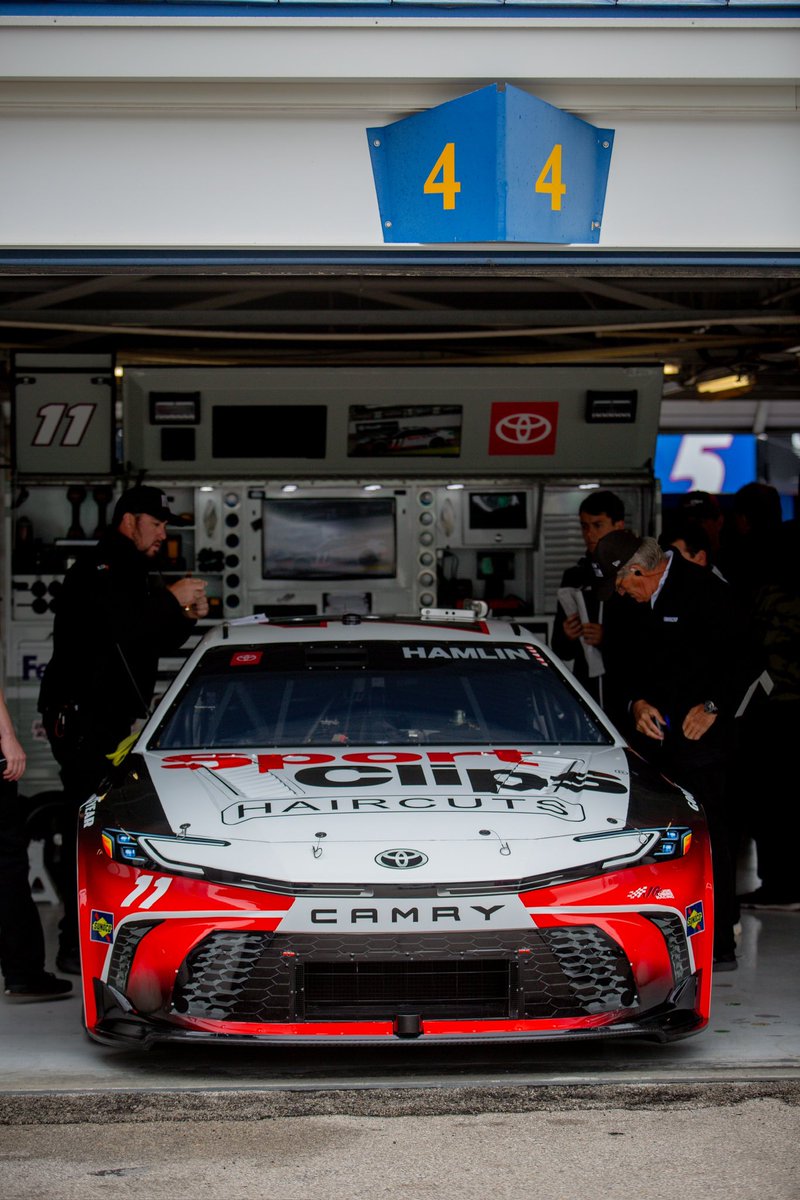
(308, 538)
(498, 518)
(498, 510)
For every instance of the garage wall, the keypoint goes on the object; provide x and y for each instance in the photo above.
(254, 135)
(283, 181)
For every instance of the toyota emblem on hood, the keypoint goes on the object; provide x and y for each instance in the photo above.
(401, 860)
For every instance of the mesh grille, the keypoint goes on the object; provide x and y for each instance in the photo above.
(671, 927)
(596, 967)
(262, 976)
(126, 943)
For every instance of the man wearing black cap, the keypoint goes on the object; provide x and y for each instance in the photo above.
(703, 509)
(680, 667)
(112, 624)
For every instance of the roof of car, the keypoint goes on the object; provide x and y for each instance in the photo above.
(436, 625)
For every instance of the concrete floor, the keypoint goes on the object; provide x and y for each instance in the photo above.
(702, 1152)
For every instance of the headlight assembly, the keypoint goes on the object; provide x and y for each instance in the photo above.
(164, 851)
(656, 845)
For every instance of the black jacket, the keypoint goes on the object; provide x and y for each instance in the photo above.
(602, 688)
(581, 577)
(112, 623)
(689, 647)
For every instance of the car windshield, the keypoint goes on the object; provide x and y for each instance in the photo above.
(376, 693)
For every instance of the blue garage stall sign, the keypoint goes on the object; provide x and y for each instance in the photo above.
(497, 165)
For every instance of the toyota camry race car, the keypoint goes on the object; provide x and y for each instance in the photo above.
(373, 830)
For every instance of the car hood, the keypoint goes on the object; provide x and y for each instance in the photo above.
(340, 817)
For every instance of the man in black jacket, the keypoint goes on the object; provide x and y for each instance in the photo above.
(22, 949)
(681, 660)
(600, 513)
(111, 626)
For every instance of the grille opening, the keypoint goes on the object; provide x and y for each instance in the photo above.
(237, 975)
(386, 988)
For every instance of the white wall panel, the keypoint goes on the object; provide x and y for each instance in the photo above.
(274, 180)
(709, 51)
(186, 132)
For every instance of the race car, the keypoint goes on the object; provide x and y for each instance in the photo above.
(376, 830)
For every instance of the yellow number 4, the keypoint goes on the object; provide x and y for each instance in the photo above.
(554, 187)
(447, 187)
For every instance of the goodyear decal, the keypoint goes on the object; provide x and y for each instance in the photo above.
(695, 920)
(101, 927)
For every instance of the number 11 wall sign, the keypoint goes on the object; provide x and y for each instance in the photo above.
(497, 165)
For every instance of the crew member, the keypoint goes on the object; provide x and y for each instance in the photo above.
(601, 512)
(112, 623)
(21, 936)
(679, 674)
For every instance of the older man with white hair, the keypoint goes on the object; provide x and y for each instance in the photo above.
(679, 659)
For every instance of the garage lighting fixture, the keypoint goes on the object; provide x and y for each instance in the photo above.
(206, 487)
(455, 487)
(672, 368)
(587, 487)
(119, 372)
(289, 487)
(373, 487)
(725, 383)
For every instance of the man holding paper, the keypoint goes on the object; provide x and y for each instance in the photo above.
(578, 628)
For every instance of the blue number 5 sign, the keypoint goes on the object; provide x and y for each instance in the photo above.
(497, 165)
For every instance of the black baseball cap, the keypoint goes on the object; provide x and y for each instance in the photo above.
(611, 554)
(701, 506)
(150, 500)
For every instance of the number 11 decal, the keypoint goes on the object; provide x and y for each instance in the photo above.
(160, 886)
(50, 417)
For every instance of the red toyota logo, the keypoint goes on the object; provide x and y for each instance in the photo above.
(523, 428)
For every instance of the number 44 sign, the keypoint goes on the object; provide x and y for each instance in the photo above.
(497, 165)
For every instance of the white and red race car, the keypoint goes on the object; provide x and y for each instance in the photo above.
(371, 830)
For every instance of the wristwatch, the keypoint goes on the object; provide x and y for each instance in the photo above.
(710, 707)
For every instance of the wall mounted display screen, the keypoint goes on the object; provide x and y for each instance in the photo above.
(334, 538)
(705, 462)
(498, 510)
(498, 518)
(269, 430)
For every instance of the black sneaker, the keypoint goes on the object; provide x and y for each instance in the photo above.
(42, 987)
(68, 962)
(764, 898)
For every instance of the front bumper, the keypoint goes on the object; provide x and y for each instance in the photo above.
(576, 976)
